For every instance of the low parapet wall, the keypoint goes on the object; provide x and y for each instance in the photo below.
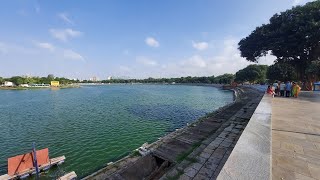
(250, 158)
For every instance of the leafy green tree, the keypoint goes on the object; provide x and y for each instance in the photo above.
(314, 69)
(17, 80)
(30, 80)
(50, 77)
(1, 80)
(252, 73)
(292, 36)
(282, 72)
(224, 79)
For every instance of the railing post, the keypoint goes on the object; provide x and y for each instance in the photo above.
(35, 162)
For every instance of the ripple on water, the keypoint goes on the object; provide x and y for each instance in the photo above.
(92, 126)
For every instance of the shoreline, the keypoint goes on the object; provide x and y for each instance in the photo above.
(37, 88)
(133, 157)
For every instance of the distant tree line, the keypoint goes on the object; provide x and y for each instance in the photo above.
(18, 80)
(222, 79)
(253, 73)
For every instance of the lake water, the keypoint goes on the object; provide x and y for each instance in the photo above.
(94, 125)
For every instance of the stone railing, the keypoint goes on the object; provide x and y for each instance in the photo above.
(250, 158)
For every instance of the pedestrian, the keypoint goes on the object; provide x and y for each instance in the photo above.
(276, 87)
(288, 88)
(270, 91)
(296, 89)
(282, 88)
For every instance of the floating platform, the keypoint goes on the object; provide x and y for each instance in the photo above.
(70, 176)
(31, 171)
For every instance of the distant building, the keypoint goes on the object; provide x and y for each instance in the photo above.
(55, 83)
(40, 85)
(24, 85)
(8, 84)
(94, 79)
(109, 78)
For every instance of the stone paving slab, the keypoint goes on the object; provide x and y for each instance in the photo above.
(206, 161)
(295, 138)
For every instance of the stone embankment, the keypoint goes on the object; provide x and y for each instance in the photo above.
(197, 151)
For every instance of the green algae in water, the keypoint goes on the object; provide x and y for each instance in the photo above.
(94, 125)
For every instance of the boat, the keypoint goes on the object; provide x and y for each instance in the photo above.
(31, 163)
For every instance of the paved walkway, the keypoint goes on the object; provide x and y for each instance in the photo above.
(206, 161)
(296, 137)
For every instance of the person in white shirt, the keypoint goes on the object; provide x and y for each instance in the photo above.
(275, 88)
(282, 88)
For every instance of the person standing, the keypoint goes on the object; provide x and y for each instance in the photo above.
(295, 90)
(276, 87)
(288, 88)
(282, 88)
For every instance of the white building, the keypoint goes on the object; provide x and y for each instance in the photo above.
(24, 85)
(8, 84)
(94, 79)
(109, 78)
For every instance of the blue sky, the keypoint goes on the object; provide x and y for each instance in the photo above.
(124, 38)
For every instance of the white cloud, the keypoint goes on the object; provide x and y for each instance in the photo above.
(200, 45)
(64, 34)
(300, 2)
(226, 60)
(65, 18)
(146, 61)
(267, 60)
(150, 41)
(45, 45)
(70, 54)
(296, 2)
(195, 61)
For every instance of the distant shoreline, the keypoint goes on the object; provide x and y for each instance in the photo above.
(78, 85)
(189, 84)
(36, 88)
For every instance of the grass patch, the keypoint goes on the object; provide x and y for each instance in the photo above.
(184, 155)
(135, 153)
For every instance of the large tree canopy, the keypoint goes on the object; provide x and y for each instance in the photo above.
(224, 79)
(282, 72)
(292, 36)
(252, 73)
